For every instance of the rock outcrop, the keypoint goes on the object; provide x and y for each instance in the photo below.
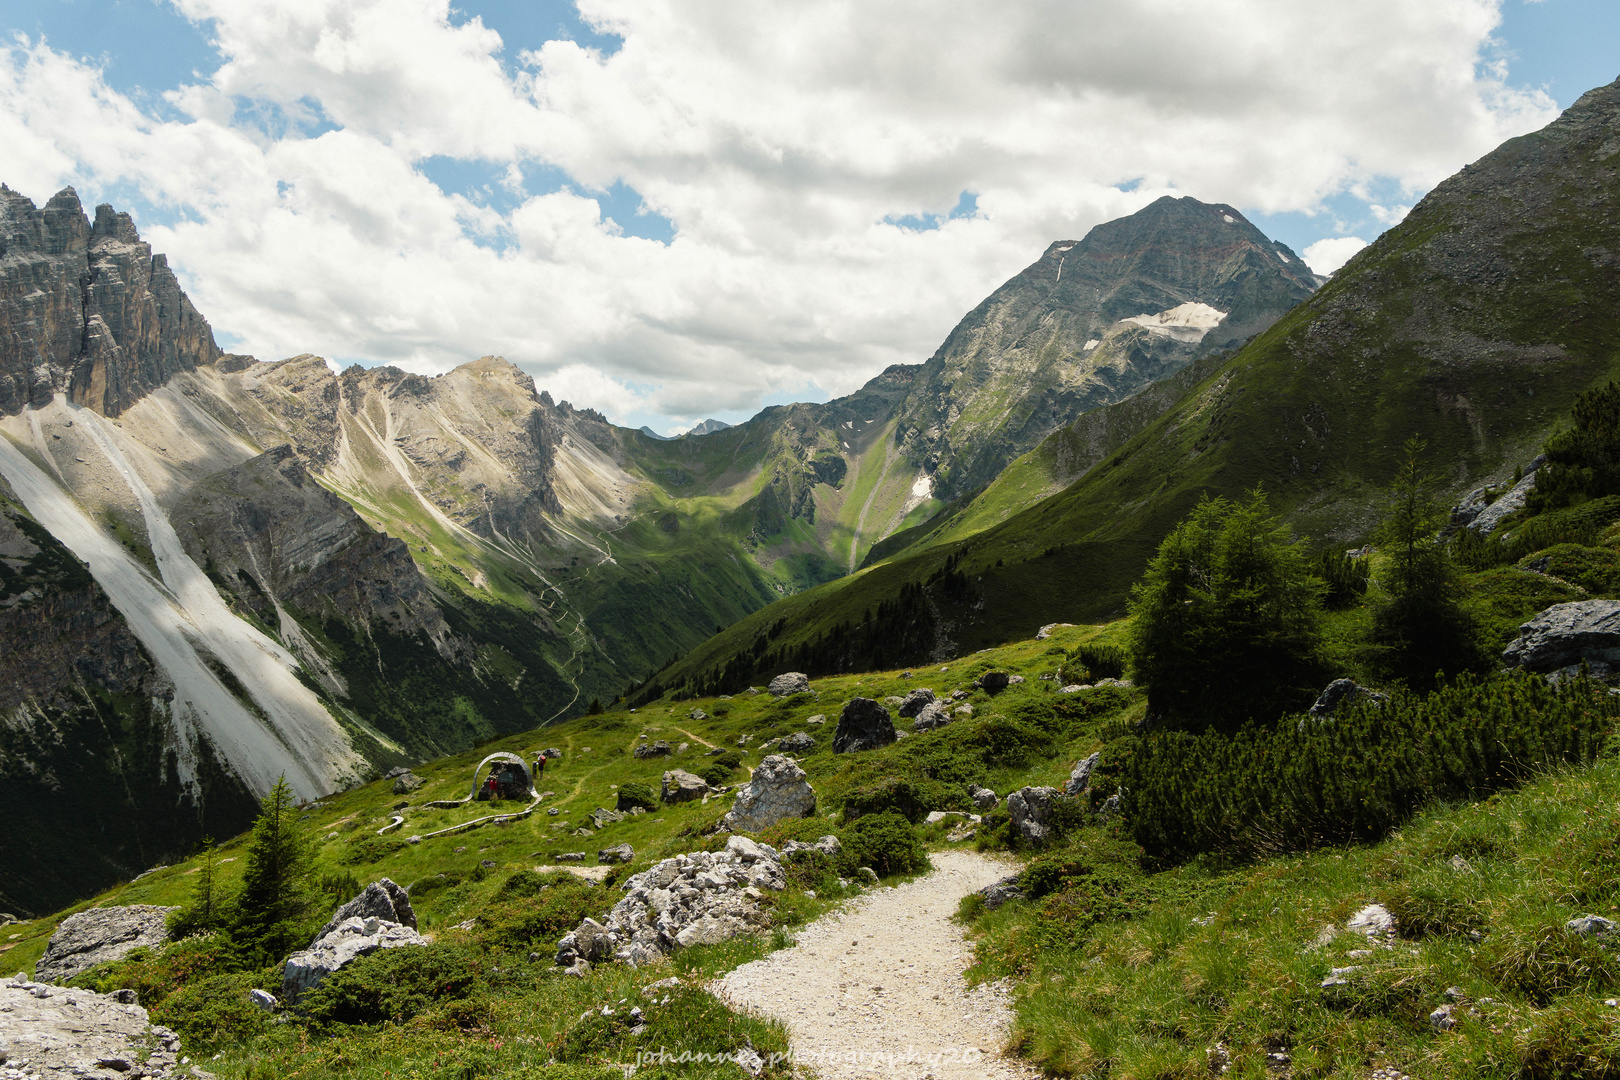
(656, 749)
(98, 936)
(934, 715)
(800, 742)
(618, 853)
(1567, 634)
(863, 725)
(776, 792)
(1341, 692)
(1030, 809)
(699, 898)
(1080, 778)
(49, 1031)
(86, 309)
(790, 683)
(915, 701)
(349, 939)
(381, 900)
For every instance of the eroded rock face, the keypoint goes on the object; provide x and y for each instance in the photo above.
(1567, 634)
(60, 1031)
(351, 938)
(87, 309)
(863, 725)
(789, 683)
(776, 792)
(382, 900)
(1030, 809)
(698, 898)
(1080, 778)
(98, 936)
(681, 786)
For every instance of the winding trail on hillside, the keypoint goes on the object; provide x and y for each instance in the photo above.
(875, 988)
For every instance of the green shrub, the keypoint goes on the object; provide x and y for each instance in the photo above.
(715, 775)
(1346, 578)
(886, 842)
(1361, 774)
(692, 1020)
(1583, 524)
(1100, 853)
(369, 849)
(633, 793)
(1088, 663)
(155, 974)
(731, 759)
(1576, 1039)
(810, 869)
(1595, 569)
(420, 890)
(892, 794)
(1001, 741)
(1443, 905)
(212, 1012)
(394, 985)
(556, 906)
(1583, 460)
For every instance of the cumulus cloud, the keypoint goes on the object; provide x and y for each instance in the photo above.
(1326, 256)
(782, 138)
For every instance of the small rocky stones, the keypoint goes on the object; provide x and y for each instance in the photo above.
(602, 817)
(697, 898)
(828, 845)
(914, 702)
(994, 682)
(1592, 926)
(571, 856)
(263, 1000)
(1030, 809)
(382, 899)
(818, 718)
(697, 714)
(351, 938)
(1443, 1018)
(1339, 976)
(776, 792)
(863, 725)
(406, 783)
(100, 935)
(790, 683)
(798, 743)
(657, 749)
(964, 712)
(1080, 778)
(618, 853)
(1002, 891)
(681, 786)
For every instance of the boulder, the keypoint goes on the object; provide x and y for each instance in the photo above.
(983, 798)
(50, 1032)
(1567, 634)
(98, 936)
(382, 899)
(1374, 921)
(618, 853)
(397, 770)
(790, 683)
(828, 845)
(263, 1000)
(964, 712)
(1593, 926)
(652, 750)
(818, 718)
(776, 792)
(863, 725)
(1046, 631)
(1030, 808)
(994, 682)
(1000, 892)
(602, 817)
(1343, 692)
(1080, 778)
(697, 898)
(798, 743)
(697, 714)
(914, 702)
(553, 753)
(407, 783)
(681, 786)
(1485, 520)
(934, 715)
(351, 938)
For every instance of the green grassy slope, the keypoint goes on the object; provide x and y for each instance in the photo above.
(1473, 323)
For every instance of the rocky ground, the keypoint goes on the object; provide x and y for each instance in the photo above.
(876, 988)
(49, 1032)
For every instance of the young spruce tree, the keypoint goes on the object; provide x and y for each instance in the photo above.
(1227, 619)
(277, 888)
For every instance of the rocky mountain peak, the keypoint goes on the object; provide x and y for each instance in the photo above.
(87, 309)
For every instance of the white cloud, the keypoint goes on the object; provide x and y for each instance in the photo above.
(1326, 256)
(777, 136)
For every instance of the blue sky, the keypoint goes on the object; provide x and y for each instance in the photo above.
(704, 223)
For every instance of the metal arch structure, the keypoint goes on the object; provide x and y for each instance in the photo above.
(502, 756)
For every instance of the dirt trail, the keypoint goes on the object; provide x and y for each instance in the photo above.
(876, 989)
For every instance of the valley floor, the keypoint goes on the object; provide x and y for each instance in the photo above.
(876, 987)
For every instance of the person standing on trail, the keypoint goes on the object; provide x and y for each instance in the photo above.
(539, 767)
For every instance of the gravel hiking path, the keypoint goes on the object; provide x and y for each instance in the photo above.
(875, 988)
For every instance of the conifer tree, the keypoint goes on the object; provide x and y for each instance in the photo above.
(206, 911)
(277, 893)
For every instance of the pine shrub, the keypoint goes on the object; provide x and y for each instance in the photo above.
(886, 842)
(1362, 773)
(892, 794)
(394, 985)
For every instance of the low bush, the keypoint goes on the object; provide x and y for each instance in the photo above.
(212, 1012)
(715, 775)
(633, 793)
(154, 974)
(1583, 524)
(690, 1020)
(556, 906)
(1098, 852)
(394, 985)
(1089, 663)
(1545, 961)
(1595, 569)
(892, 794)
(886, 842)
(427, 886)
(1444, 904)
(811, 870)
(1001, 741)
(1361, 774)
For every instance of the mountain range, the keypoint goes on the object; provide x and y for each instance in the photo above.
(217, 570)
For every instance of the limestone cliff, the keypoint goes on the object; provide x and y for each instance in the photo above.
(87, 309)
